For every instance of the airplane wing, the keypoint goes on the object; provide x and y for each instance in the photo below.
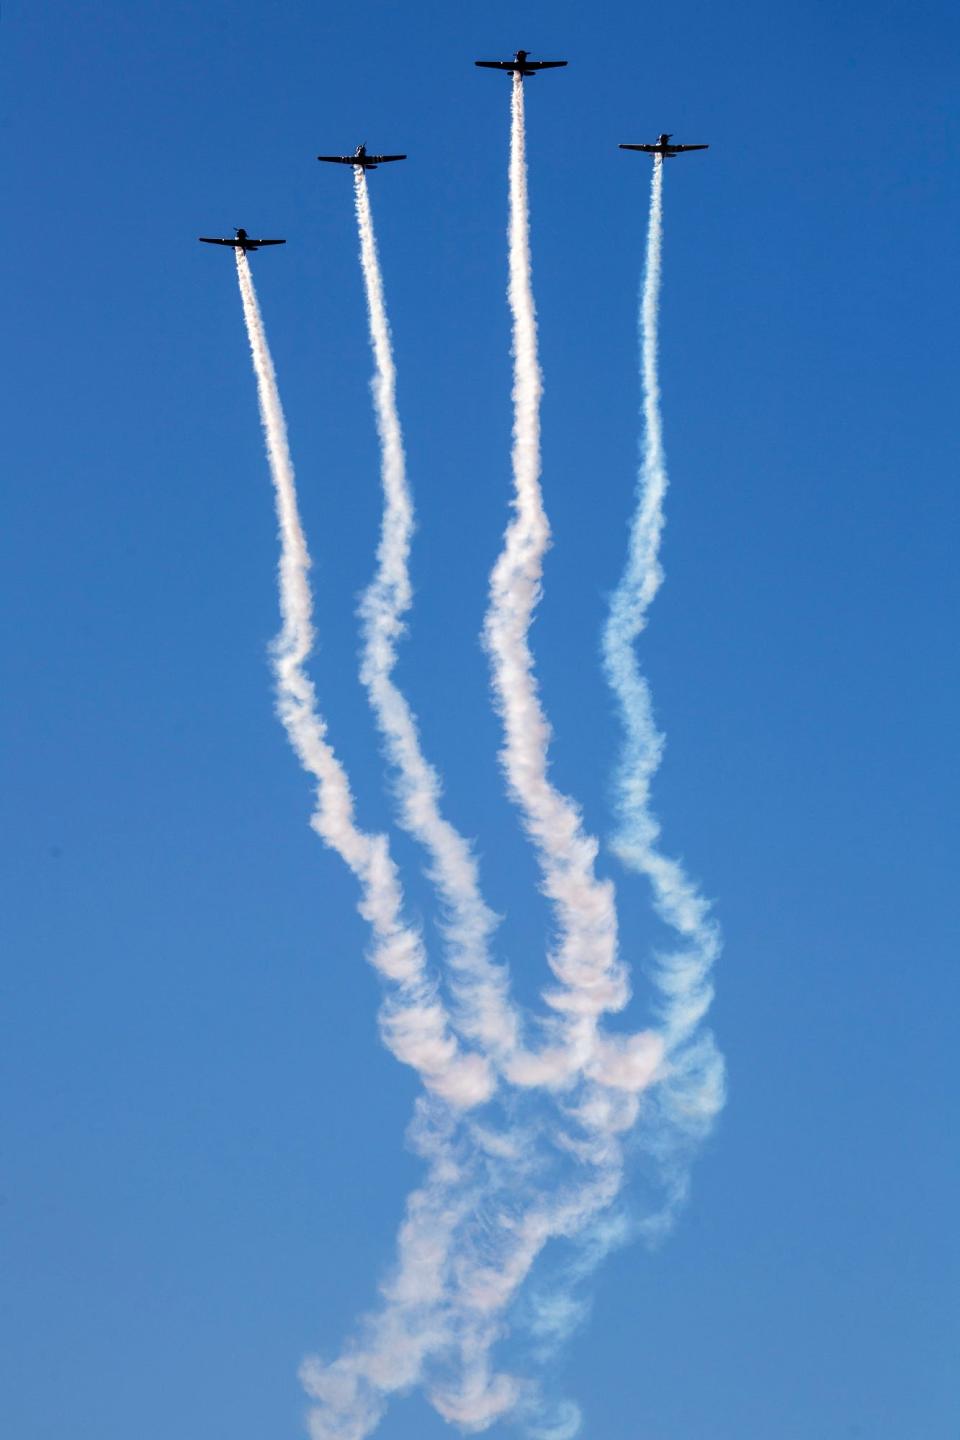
(385, 159)
(667, 150)
(265, 242)
(519, 65)
(209, 240)
(340, 159)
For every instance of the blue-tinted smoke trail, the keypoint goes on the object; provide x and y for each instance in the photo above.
(691, 1089)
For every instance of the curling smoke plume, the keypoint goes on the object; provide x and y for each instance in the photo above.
(691, 1091)
(413, 1021)
(484, 1014)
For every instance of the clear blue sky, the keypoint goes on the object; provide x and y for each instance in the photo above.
(203, 1161)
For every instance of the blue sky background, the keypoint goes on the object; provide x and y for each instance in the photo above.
(203, 1162)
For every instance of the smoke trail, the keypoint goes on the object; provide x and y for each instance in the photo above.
(491, 1201)
(585, 958)
(484, 1012)
(413, 1021)
(691, 1092)
(496, 1194)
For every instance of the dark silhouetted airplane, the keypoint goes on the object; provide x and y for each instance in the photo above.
(520, 65)
(664, 149)
(361, 158)
(240, 241)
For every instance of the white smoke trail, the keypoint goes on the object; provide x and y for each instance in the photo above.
(484, 1013)
(413, 1021)
(584, 960)
(691, 1092)
(491, 1202)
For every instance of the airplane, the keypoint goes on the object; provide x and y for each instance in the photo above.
(241, 241)
(664, 149)
(520, 65)
(361, 158)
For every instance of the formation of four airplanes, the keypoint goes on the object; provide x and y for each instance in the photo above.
(520, 65)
